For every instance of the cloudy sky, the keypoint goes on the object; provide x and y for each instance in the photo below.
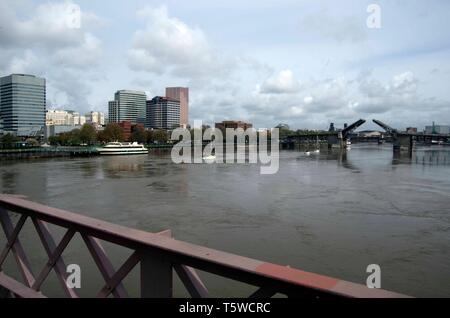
(305, 63)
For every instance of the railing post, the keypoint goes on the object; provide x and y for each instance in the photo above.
(156, 276)
(4, 293)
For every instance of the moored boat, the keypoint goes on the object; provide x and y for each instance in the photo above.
(120, 148)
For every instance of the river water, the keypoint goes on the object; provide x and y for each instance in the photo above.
(329, 213)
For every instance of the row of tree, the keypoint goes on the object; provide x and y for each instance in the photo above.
(87, 135)
(285, 131)
(9, 141)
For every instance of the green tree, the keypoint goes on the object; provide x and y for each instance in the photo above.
(149, 136)
(88, 134)
(53, 140)
(63, 139)
(139, 135)
(8, 140)
(113, 132)
(74, 137)
(284, 131)
(161, 136)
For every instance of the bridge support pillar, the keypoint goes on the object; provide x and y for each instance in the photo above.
(403, 144)
(334, 141)
(4, 293)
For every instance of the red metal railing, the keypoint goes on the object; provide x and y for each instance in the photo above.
(159, 257)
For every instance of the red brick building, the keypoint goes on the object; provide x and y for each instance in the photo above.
(234, 124)
(128, 129)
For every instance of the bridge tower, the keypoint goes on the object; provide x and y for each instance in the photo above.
(402, 143)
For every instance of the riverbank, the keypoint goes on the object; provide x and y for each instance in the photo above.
(47, 152)
(55, 152)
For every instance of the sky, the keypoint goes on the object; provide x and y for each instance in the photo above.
(303, 63)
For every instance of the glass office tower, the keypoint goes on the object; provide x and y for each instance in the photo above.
(22, 104)
(163, 113)
(128, 106)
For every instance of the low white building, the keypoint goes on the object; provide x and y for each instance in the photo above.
(56, 117)
(97, 118)
(370, 134)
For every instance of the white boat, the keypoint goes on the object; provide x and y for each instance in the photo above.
(209, 159)
(120, 148)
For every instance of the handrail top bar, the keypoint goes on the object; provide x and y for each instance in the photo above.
(138, 239)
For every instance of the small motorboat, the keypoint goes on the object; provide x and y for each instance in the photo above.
(209, 159)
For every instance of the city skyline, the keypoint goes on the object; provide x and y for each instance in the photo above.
(58, 116)
(313, 66)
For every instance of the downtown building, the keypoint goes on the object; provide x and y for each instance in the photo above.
(233, 124)
(163, 113)
(181, 94)
(437, 129)
(59, 121)
(96, 118)
(56, 117)
(127, 106)
(22, 104)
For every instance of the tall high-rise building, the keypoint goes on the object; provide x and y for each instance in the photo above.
(163, 113)
(113, 112)
(127, 106)
(22, 104)
(181, 94)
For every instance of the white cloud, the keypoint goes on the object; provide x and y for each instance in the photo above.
(20, 64)
(282, 83)
(318, 102)
(85, 55)
(400, 92)
(51, 24)
(53, 40)
(168, 45)
(339, 29)
(405, 82)
(54, 30)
